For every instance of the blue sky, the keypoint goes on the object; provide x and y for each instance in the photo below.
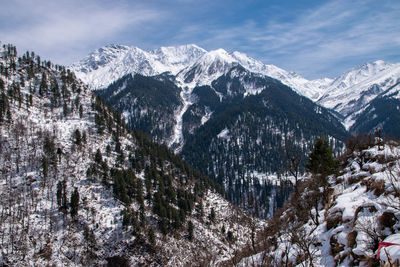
(313, 38)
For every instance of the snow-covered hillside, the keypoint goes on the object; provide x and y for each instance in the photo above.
(107, 64)
(78, 189)
(344, 226)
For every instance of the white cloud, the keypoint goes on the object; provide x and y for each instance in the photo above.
(319, 40)
(323, 40)
(58, 28)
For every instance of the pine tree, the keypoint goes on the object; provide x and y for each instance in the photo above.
(212, 215)
(321, 162)
(150, 234)
(98, 158)
(59, 194)
(74, 203)
(43, 85)
(77, 137)
(190, 230)
(45, 167)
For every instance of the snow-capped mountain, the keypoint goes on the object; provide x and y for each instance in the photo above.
(191, 65)
(351, 92)
(205, 93)
(382, 112)
(348, 94)
(194, 66)
(109, 63)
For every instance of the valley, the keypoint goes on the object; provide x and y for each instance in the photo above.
(180, 155)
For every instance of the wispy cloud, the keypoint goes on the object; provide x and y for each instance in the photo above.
(63, 28)
(320, 39)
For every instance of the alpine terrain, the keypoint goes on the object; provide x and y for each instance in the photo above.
(80, 189)
(232, 117)
(286, 171)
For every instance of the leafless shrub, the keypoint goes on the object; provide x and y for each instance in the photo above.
(333, 221)
(387, 219)
(336, 247)
(351, 238)
(374, 185)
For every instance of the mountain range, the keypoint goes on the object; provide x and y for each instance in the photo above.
(80, 187)
(348, 95)
(235, 118)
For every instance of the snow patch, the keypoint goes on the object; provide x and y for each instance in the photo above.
(224, 134)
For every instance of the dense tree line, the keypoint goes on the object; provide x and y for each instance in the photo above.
(41, 164)
(262, 129)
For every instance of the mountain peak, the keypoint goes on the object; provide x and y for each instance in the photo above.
(114, 46)
(187, 48)
(219, 54)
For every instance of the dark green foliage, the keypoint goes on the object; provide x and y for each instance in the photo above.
(62, 196)
(108, 150)
(229, 236)
(77, 137)
(120, 188)
(98, 158)
(43, 85)
(45, 167)
(90, 238)
(382, 113)
(211, 217)
(80, 111)
(190, 230)
(129, 219)
(65, 109)
(4, 105)
(84, 137)
(321, 160)
(151, 237)
(59, 193)
(74, 203)
(159, 98)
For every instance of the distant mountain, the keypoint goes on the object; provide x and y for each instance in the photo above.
(78, 188)
(109, 63)
(232, 116)
(236, 128)
(352, 92)
(347, 95)
(383, 113)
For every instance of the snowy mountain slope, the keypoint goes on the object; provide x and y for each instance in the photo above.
(383, 113)
(261, 114)
(78, 189)
(348, 94)
(392, 92)
(360, 210)
(195, 65)
(352, 91)
(109, 63)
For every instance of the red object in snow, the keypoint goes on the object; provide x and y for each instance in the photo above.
(384, 245)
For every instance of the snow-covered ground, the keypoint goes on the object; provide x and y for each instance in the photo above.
(34, 231)
(362, 210)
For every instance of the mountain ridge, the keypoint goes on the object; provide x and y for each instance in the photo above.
(347, 94)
